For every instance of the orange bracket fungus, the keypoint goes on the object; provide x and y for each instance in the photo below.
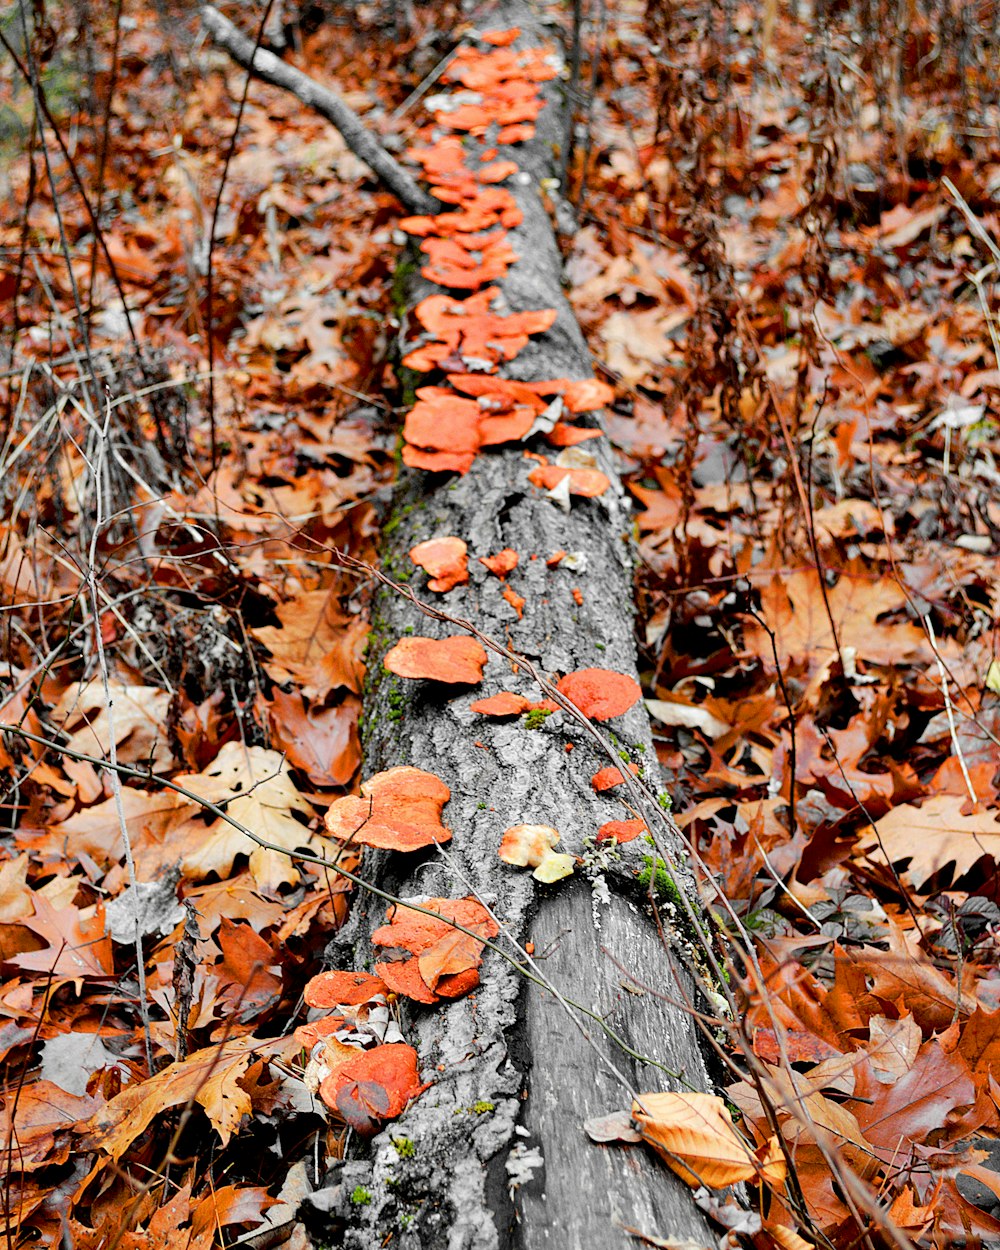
(342, 989)
(586, 483)
(502, 704)
(502, 563)
(456, 660)
(373, 1087)
(620, 831)
(530, 846)
(600, 693)
(397, 810)
(429, 959)
(445, 559)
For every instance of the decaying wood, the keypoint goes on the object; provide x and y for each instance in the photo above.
(494, 1153)
(271, 69)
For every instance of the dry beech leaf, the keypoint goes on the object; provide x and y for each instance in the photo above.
(694, 1133)
(397, 810)
(455, 660)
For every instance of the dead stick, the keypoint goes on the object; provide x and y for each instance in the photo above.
(362, 143)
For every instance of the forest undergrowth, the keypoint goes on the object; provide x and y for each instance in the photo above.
(785, 263)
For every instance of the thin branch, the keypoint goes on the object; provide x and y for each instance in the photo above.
(358, 138)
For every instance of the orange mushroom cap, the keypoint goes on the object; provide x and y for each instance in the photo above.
(600, 693)
(455, 660)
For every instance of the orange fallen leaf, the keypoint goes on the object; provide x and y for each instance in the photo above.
(600, 693)
(456, 660)
(398, 810)
(445, 559)
(695, 1136)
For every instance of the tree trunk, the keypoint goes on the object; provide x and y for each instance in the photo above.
(516, 1073)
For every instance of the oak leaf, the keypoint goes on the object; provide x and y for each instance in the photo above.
(938, 834)
(317, 645)
(254, 786)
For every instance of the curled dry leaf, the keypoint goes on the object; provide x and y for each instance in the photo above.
(600, 693)
(586, 483)
(445, 559)
(397, 810)
(348, 989)
(694, 1134)
(429, 959)
(531, 846)
(455, 660)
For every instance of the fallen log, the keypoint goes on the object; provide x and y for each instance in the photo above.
(494, 1152)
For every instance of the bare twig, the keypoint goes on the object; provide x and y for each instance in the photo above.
(356, 135)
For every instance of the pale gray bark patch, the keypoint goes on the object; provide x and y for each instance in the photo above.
(514, 1077)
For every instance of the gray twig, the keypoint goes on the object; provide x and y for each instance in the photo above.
(358, 138)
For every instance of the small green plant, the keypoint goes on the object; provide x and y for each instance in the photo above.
(361, 1196)
(536, 718)
(664, 800)
(406, 1148)
(481, 805)
(663, 883)
(482, 1107)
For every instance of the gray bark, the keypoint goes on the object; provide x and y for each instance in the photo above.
(512, 1069)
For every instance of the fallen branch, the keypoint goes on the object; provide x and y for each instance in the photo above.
(278, 73)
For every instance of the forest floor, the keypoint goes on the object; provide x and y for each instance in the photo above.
(785, 266)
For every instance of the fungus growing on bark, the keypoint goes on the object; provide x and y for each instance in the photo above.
(373, 1087)
(502, 563)
(586, 483)
(600, 693)
(445, 559)
(397, 810)
(455, 660)
(502, 704)
(621, 831)
(530, 846)
(429, 959)
(342, 989)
